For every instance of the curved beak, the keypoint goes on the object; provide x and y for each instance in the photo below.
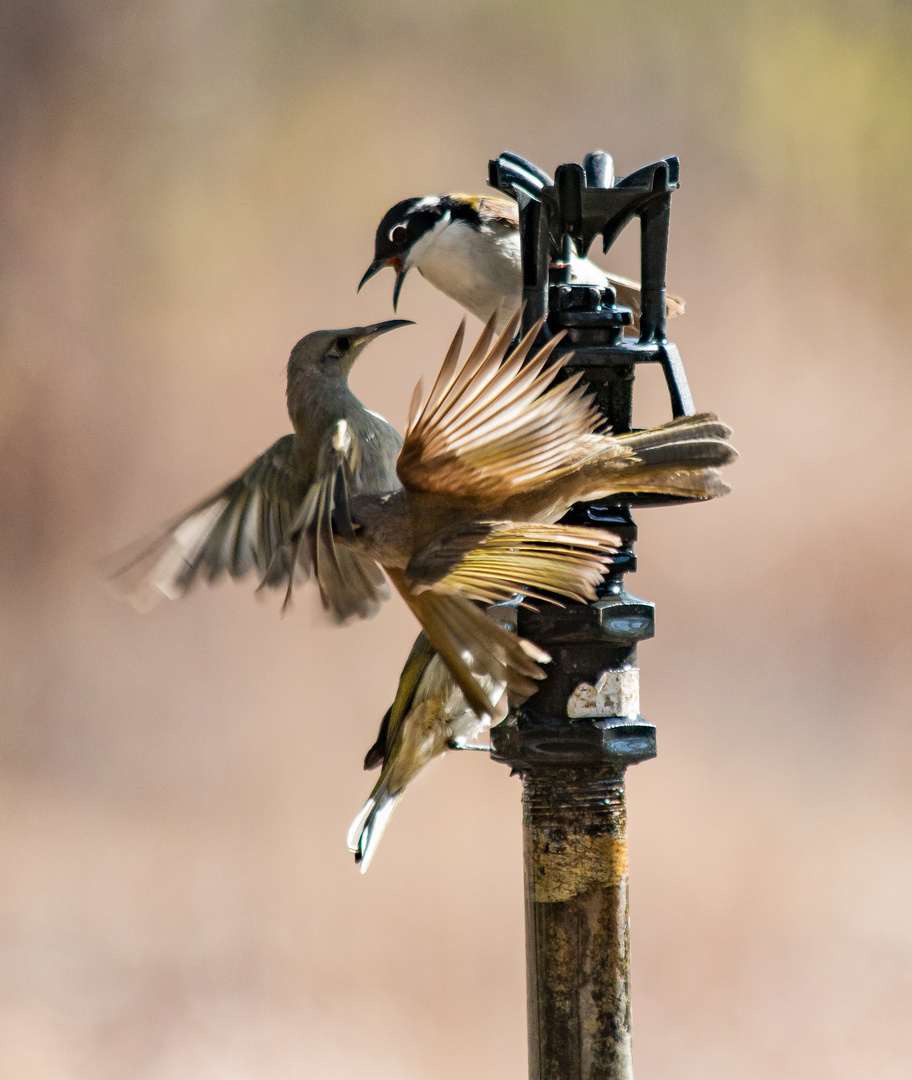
(368, 333)
(377, 265)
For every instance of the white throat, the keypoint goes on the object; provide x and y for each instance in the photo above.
(477, 268)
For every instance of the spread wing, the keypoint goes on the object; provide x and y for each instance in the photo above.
(471, 643)
(350, 584)
(542, 562)
(243, 527)
(496, 425)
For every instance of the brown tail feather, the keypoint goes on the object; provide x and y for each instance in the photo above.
(681, 457)
(700, 483)
(687, 451)
(647, 445)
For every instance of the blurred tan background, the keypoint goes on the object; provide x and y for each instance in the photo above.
(190, 187)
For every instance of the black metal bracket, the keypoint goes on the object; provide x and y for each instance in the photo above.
(574, 738)
(561, 218)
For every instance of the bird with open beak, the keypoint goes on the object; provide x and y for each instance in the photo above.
(467, 246)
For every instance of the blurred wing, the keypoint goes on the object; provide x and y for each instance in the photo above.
(471, 643)
(350, 585)
(541, 561)
(495, 425)
(243, 527)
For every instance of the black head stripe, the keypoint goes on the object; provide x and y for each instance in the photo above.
(462, 210)
(422, 221)
(416, 219)
(384, 247)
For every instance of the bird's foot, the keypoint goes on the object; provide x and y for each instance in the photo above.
(461, 744)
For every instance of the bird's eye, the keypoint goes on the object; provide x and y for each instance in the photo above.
(399, 235)
(342, 343)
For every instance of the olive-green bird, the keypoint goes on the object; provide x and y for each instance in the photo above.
(252, 522)
(429, 716)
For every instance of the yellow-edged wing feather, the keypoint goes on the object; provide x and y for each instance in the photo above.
(543, 562)
(469, 642)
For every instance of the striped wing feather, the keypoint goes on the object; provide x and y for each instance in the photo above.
(243, 527)
(494, 426)
(543, 562)
(469, 642)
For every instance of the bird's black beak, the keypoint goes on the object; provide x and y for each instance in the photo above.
(377, 265)
(376, 329)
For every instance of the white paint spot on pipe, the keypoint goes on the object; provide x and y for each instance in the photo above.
(616, 693)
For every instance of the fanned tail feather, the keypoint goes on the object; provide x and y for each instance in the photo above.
(682, 457)
(699, 439)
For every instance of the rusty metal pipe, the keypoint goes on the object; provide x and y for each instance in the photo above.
(577, 948)
(573, 739)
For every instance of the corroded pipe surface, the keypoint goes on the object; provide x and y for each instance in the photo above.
(577, 949)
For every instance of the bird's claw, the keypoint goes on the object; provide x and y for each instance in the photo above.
(461, 744)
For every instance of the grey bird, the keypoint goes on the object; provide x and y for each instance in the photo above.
(467, 246)
(271, 518)
(278, 518)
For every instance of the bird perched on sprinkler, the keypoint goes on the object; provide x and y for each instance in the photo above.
(467, 246)
(429, 716)
(498, 446)
(490, 462)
